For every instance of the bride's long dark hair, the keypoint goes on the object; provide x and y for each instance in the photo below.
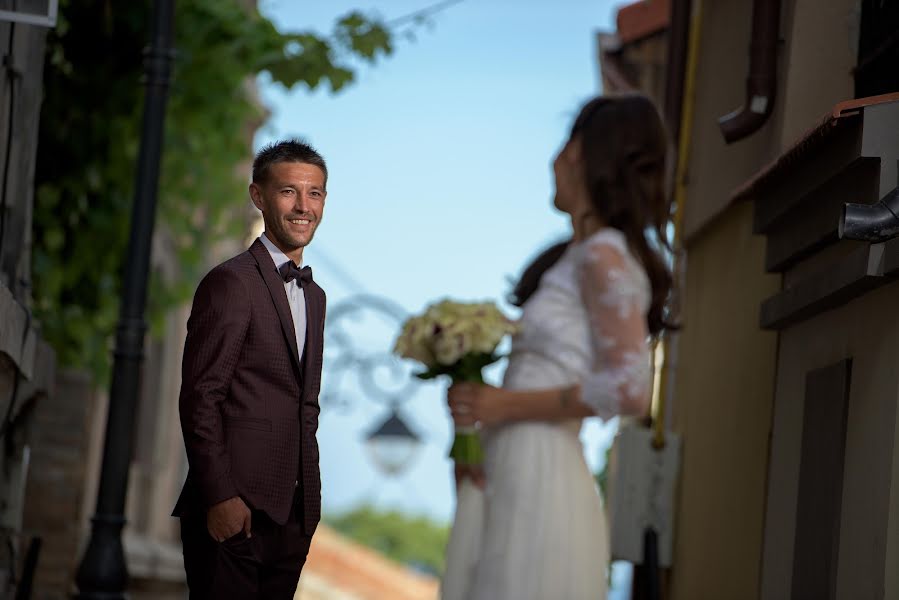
(623, 145)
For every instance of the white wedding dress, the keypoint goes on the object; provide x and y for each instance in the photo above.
(538, 531)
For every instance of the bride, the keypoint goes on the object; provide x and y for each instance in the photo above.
(530, 525)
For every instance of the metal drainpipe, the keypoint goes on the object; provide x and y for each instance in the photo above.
(668, 352)
(871, 223)
(678, 43)
(761, 85)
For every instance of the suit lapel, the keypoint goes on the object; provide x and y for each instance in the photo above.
(275, 286)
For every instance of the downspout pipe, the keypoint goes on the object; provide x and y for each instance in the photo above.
(678, 42)
(871, 222)
(665, 358)
(761, 85)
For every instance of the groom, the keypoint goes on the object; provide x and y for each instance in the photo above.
(249, 396)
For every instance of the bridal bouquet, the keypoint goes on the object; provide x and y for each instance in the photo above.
(456, 339)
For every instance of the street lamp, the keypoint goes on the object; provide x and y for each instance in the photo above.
(392, 444)
(384, 378)
(103, 573)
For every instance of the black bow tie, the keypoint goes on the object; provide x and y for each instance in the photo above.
(289, 271)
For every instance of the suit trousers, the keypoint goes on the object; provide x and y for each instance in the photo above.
(266, 565)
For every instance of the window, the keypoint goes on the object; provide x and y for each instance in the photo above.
(878, 49)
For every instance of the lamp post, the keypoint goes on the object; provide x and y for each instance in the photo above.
(383, 377)
(103, 573)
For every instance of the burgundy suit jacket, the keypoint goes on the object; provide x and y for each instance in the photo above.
(249, 404)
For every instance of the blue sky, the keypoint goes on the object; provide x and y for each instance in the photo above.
(440, 185)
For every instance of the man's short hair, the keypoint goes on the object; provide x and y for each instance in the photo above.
(286, 151)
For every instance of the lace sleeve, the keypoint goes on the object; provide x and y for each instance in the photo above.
(615, 292)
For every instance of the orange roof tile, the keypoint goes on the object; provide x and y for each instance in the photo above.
(643, 18)
(338, 567)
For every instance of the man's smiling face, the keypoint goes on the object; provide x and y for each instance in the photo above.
(292, 200)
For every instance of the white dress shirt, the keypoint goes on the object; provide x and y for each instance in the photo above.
(296, 298)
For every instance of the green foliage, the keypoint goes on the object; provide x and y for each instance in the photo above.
(413, 541)
(466, 369)
(90, 136)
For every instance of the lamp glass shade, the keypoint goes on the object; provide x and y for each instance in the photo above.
(392, 445)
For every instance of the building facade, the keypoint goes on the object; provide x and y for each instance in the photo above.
(782, 385)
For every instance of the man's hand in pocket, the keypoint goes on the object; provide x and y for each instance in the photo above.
(228, 518)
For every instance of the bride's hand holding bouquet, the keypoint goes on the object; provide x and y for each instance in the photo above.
(476, 404)
(458, 340)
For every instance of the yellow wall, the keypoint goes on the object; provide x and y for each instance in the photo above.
(715, 168)
(722, 408)
(724, 382)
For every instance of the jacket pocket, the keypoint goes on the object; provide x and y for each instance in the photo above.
(249, 423)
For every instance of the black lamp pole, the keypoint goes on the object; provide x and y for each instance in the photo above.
(103, 573)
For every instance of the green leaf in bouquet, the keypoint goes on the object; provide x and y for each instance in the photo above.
(469, 367)
(433, 372)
